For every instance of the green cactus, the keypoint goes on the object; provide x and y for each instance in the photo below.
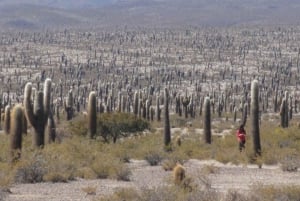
(136, 104)
(207, 121)
(50, 130)
(158, 110)
(69, 105)
(16, 133)
(92, 115)
(283, 113)
(255, 117)
(286, 117)
(245, 114)
(7, 119)
(167, 130)
(37, 114)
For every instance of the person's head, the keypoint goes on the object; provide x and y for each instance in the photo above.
(241, 127)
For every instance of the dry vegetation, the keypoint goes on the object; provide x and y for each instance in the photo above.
(129, 70)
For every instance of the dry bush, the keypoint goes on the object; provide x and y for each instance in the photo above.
(31, 170)
(154, 158)
(275, 193)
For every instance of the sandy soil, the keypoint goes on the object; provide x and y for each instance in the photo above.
(223, 178)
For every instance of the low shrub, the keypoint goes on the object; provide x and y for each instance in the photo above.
(153, 158)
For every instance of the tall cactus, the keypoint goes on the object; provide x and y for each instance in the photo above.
(255, 117)
(158, 110)
(136, 104)
(92, 115)
(7, 119)
(167, 130)
(50, 130)
(37, 114)
(245, 114)
(286, 117)
(16, 132)
(283, 112)
(69, 105)
(207, 121)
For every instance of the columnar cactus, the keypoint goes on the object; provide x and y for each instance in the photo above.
(158, 110)
(179, 174)
(207, 121)
(69, 105)
(245, 114)
(136, 104)
(37, 114)
(286, 117)
(185, 102)
(255, 117)
(119, 101)
(92, 115)
(50, 130)
(7, 119)
(235, 114)
(283, 112)
(16, 132)
(167, 130)
(148, 105)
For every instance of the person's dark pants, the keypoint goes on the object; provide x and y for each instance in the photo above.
(242, 145)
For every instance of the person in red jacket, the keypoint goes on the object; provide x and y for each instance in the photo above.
(241, 137)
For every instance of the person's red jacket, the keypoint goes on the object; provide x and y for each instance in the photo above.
(241, 135)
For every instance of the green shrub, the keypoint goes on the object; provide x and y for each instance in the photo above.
(112, 126)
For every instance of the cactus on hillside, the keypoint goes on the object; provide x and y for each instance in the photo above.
(92, 115)
(16, 132)
(245, 114)
(7, 119)
(37, 114)
(69, 105)
(255, 117)
(283, 113)
(158, 110)
(207, 120)
(136, 104)
(167, 130)
(50, 130)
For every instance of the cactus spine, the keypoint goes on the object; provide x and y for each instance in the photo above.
(16, 133)
(37, 115)
(207, 121)
(167, 130)
(92, 115)
(255, 117)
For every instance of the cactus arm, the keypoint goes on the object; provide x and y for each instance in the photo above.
(27, 104)
(46, 98)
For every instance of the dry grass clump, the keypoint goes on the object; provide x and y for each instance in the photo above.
(178, 193)
(154, 158)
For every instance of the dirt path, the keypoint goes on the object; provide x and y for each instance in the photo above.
(222, 178)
